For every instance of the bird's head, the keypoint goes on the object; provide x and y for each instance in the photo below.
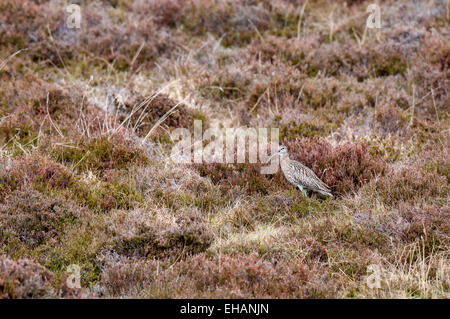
(282, 150)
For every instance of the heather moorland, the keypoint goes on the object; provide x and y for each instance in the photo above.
(87, 177)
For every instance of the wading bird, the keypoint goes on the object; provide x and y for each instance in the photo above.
(300, 175)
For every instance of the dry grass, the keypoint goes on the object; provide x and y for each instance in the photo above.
(86, 176)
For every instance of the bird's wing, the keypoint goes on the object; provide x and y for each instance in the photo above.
(308, 178)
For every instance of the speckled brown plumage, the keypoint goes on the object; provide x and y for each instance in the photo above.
(300, 175)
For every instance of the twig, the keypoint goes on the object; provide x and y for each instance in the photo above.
(162, 119)
(51, 121)
(413, 105)
(256, 29)
(87, 153)
(136, 55)
(257, 101)
(302, 12)
(2, 65)
(434, 104)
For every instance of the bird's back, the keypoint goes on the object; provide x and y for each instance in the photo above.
(297, 173)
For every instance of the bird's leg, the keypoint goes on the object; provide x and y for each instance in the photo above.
(302, 190)
(325, 193)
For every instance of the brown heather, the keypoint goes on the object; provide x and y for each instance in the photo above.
(24, 278)
(367, 110)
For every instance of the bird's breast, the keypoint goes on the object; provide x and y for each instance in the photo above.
(287, 169)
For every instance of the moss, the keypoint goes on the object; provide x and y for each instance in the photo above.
(79, 250)
(303, 207)
(293, 130)
(385, 67)
(105, 196)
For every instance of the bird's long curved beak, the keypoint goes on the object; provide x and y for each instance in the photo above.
(272, 155)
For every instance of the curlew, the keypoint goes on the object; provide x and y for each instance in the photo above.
(300, 175)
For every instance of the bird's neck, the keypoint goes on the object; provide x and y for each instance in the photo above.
(284, 157)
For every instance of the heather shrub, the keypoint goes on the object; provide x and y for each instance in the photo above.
(100, 153)
(390, 118)
(143, 115)
(163, 13)
(433, 84)
(343, 167)
(288, 50)
(36, 109)
(226, 276)
(55, 101)
(386, 60)
(411, 184)
(127, 277)
(438, 52)
(426, 223)
(321, 93)
(138, 33)
(32, 25)
(31, 218)
(43, 30)
(282, 88)
(35, 171)
(354, 235)
(189, 235)
(246, 177)
(373, 61)
(24, 278)
(227, 19)
(253, 276)
(315, 249)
